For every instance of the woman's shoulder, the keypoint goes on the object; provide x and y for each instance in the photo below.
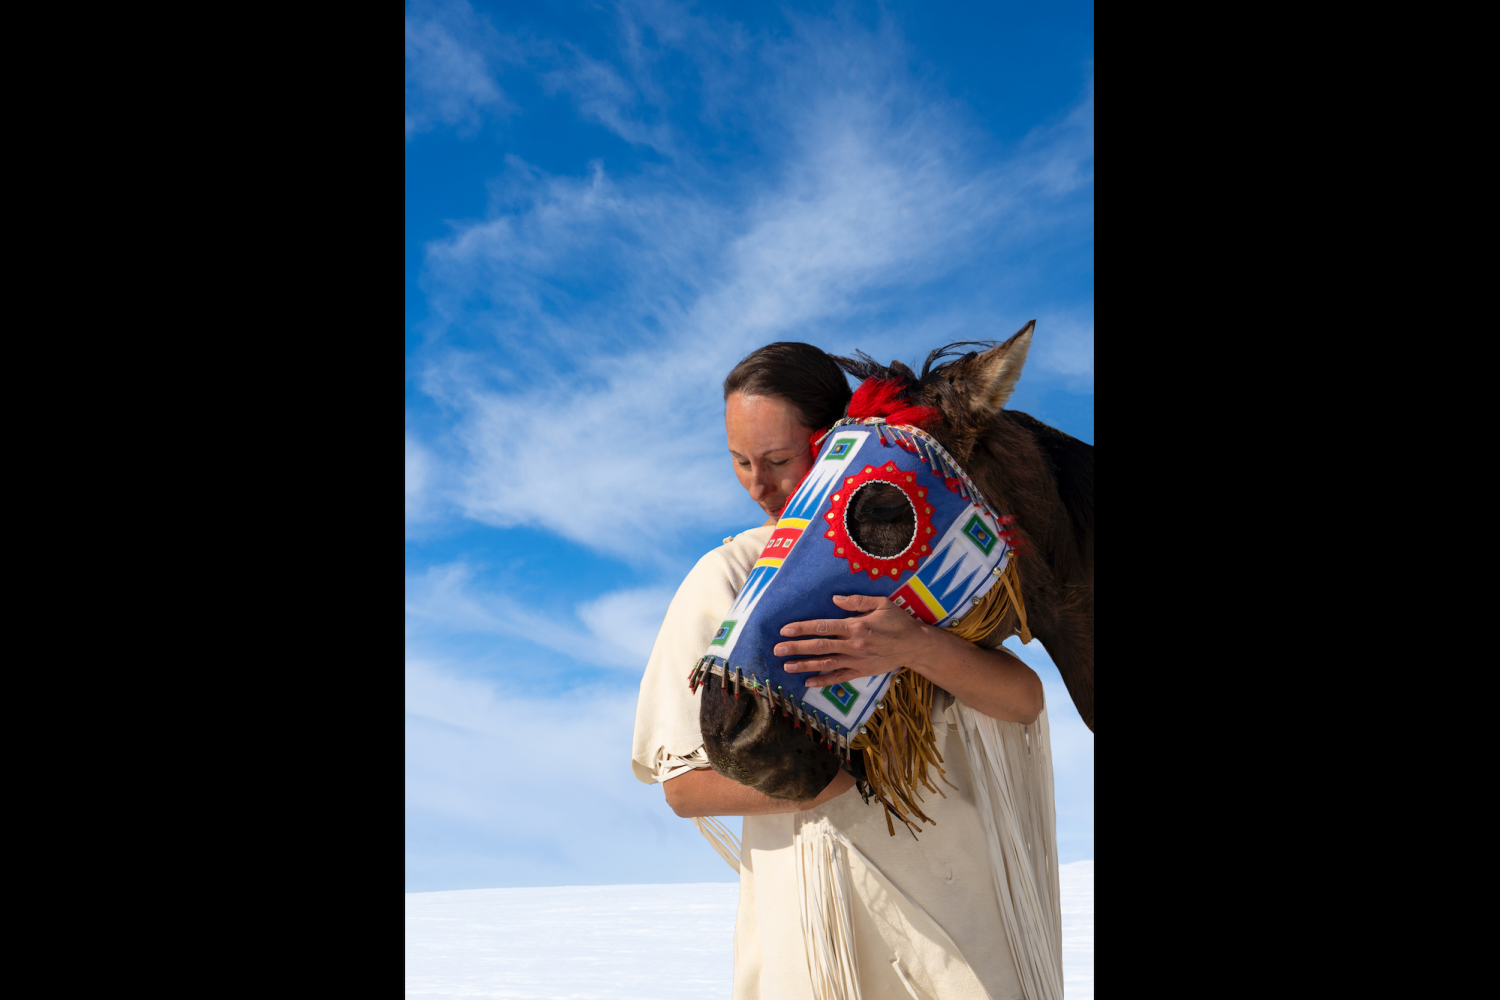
(750, 536)
(722, 571)
(738, 552)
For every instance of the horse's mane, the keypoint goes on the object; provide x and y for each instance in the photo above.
(930, 383)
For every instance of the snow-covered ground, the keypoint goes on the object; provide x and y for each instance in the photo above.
(641, 942)
(1077, 881)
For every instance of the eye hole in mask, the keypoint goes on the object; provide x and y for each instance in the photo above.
(880, 520)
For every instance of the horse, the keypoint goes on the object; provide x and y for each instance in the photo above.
(1024, 468)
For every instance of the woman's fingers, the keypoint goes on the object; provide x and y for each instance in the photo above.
(859, 602)
(839, 627)
(812, 647)
(813, 666)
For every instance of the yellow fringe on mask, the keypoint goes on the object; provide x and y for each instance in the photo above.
(898, 743)
(898, 740)
(991, 610)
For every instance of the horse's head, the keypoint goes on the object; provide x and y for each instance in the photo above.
(886, 510)
(1022, 467)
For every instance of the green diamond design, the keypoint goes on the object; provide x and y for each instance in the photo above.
(842, 696)
(840, 449)
(722, 636)
(980, 534)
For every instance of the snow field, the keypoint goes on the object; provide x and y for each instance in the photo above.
(625, 942)
(1077, 884)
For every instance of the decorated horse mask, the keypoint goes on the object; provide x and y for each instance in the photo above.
(884, 511)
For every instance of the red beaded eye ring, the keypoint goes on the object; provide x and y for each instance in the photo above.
(860, 561)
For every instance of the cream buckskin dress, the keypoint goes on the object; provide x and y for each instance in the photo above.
(899, 917)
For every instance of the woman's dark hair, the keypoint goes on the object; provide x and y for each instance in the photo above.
(801, 374)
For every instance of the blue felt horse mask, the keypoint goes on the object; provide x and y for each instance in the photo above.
(957, 552)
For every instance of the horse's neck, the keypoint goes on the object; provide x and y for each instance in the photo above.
(1018, 477)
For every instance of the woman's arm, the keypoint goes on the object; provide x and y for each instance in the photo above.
(886, 638)
(706, 792)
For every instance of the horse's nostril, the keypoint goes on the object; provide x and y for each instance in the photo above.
(881, 520)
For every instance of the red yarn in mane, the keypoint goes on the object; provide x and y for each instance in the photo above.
(882, 398)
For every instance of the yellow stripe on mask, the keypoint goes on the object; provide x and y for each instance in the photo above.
(938, 611)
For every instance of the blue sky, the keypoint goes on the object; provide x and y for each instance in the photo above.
(607, 206)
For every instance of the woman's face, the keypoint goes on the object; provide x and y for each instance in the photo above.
(769, 446)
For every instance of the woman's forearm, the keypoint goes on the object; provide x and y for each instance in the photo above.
(706, 792)
(992, 681)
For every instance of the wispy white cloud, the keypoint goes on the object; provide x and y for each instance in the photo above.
(418, 472)
(504, 789)
(1067, 350)
(627, 621)
(616, 629)
(449, 80)
(603, 95)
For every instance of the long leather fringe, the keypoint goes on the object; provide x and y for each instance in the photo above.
(1012, 770)
(721, 838)
(825, 898)
(898, 741)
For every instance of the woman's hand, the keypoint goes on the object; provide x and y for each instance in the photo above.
(880, 639)
(883, 638)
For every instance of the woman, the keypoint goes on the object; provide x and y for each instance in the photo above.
(926, 914)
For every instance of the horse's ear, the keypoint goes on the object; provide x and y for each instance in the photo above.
(992, 376)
